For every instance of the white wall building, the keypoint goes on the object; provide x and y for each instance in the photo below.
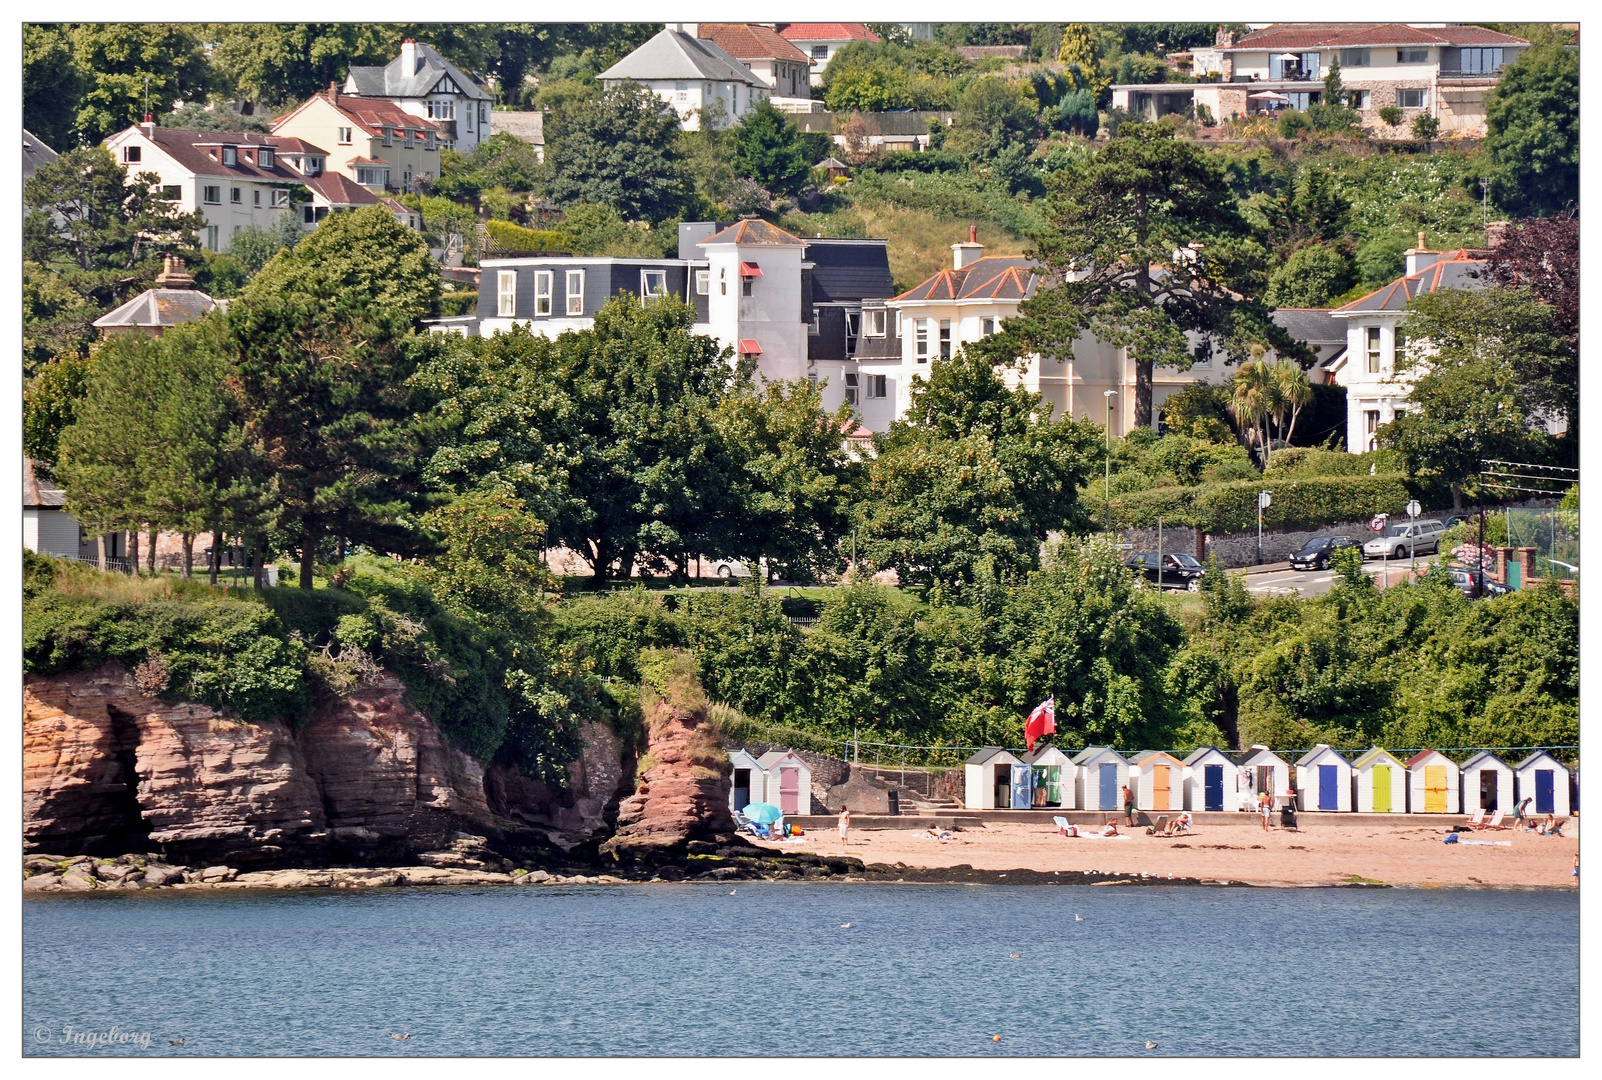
(1544, 780)
(994, 779)
(424, 83)
(1324, 781)
(1263, 770)
(1210, 781)
(1159, 781)
(1379, 783)
(1053, 774)
(788, 781)
(783, 67)
(1487, 784)
(820, 41)
(1432, 783)
(690, 74)
(1103, 772)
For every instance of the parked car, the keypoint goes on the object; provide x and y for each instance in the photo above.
(1404, 540)
(1477, 583)
(1178, 571)
(1316, 553)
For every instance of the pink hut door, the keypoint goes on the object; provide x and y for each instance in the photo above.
(789, 790)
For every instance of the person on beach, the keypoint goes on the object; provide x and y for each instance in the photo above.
(845, 822)
(1518, 814)
(1265, 806)
(1111, 828)
(1129, 805)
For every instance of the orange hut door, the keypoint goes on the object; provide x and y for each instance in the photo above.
(1435, 789)
(1159, 788)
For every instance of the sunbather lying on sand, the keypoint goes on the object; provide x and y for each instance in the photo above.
(935, 832)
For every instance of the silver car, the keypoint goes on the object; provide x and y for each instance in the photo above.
(1404, 540)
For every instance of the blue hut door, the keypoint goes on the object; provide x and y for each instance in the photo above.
(1213, 787)
(1109, 786)
(1543, 791)
(1023, 787)
(1326, 788)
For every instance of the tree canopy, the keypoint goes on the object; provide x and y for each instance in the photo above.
(1532, 132)
(620, 149)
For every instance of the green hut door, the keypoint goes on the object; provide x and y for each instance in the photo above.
(1380, 777)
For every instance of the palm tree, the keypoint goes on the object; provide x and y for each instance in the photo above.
(1253, 398)
(1292, 394)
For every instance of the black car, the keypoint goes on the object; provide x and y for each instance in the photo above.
(1178, 571)
(1315, 554)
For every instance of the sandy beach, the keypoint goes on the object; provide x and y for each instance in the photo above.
(1317, 855)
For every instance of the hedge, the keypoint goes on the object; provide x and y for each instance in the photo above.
(510, 237)
(1298, 502)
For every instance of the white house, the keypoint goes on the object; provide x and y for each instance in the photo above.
(1052, 775)
(1159, 781)
(820, 41)
(690, 74)
(1103, 772)
(1545, 780)
(779, 64)
(1324, 780)
(424, 83)
(1487, 783)
(1432, 783)
(48, 528)
(747, 779)
(1263, 770)
(1210, 781)
(1379, 782)
(753, 282)
(994, 779)
(789, 781)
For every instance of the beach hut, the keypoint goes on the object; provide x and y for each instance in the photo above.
(1209, 780)
(1101, 778)
(993, 779)
(747, 781)
(1159, 781)
(1324, 781)
(1262, 770)
(1432, 783)
(1380, 782)
(1487, 784)
(789, 781)
(1052, 774)
(1543, 779)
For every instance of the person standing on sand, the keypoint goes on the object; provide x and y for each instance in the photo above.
(1518, 814)
(845, 823)
(1129, 805)
(1265, 806)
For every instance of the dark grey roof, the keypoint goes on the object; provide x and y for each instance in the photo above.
(849, 270)
(1202, 751)
(1486, 754)
(1253, 753)
(34, 154)
(1091, 751)
(1454, 270)
(1311, 326)
(1316, 751)
(392, 82)
(38, 491)
(676, 55)
(1537, 756)
(984, 755)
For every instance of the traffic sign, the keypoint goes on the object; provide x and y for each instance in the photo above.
(1378, 524)
(1413, 508)
(1264, 500)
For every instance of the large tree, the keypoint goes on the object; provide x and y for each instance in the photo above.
(1532, 132)
(1543, 255)
(51, 84)
(769, 150)
(1144, 243)
(126, 65)
(620, 149)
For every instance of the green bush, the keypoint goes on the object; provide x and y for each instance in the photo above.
(1391, 114)
(512, 237)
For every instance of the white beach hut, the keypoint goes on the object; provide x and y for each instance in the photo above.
(1432, 783)
(1324, 781)
(1487, 784)
(1209, 780)
(1159, 781)
(1543, 779)
(1103, 772)
(747, 780)
(993, 779)
(1262, 770)
(1379, 781)
(789, 781)
(1052, 775)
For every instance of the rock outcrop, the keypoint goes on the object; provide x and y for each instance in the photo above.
(570, 814)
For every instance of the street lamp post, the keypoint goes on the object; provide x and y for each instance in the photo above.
(1413, 509)
(1264, 499)
(1109, 395)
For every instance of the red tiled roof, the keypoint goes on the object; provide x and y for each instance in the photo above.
(287, 145)
(1455, 269)
(753, 231)
(826, 31)
(1294, 37)
(194, 149)
(340, 190)
(1420, 756)
(750, 41)
(373, 114)
(996, 277)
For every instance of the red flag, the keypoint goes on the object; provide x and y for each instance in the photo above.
(1043, 721)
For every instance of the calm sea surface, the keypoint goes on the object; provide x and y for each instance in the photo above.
(770, 969)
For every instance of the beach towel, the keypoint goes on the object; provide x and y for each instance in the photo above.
(1486, 843)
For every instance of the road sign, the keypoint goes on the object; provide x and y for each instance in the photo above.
(1413, 509)
(1378, 524)
(1264, 500)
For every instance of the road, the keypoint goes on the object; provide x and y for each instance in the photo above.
(1317, 582)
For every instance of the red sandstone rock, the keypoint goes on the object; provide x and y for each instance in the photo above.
(678, 800)
(575, 812)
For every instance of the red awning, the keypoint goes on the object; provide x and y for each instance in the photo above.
(750, 347)
(750, 270)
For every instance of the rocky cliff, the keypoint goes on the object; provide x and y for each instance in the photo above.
(108, 770)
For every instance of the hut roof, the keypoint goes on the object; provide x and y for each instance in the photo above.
(1533, 758)
(1368, 756)
(1148, 755)
(990, 753)
(1090, 753)
(1044, 752)
(1202, 751)
(1486, 754)
(1423, 756)
(1317, 752)
(1262, 752)
(773, 757)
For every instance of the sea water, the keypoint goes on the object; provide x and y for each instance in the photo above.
(755, 968)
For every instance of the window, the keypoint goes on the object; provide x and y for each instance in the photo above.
(428, 140)
(817, 321)
(542, 292)
(874, 322)
(1480, 61)
(921, 340)
(1412, 56)
(265, 157)
(211, 238)
(1351, 58)
(255, 196)
(1202, 353)
(230, 156)
(308, 214)
(506, 293)
(851, 388)
(442, 110)
(132, 153)
(280, 196)
(389, 137)
(1370, 427)
(987, 327)
(745, 286)
(483, 113)
(1410, 98)
(853, 320)
(314, 165)
(681, 91)
(575, 292)
(1294, 66)
(211, 193)
(653, 285)
(1357, 99)
(820, 52)
(344, 135)
(876, 386)
(945, 339)
(1372, 348)
(703, 282)
(723, 285)
(235, 195)
(171, 192)
(372, 176)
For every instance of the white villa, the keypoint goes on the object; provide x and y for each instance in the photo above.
(820, 41)
(690, 74)
(424, 83)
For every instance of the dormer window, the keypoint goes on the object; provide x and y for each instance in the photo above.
(388, 137)
(314, 165)
(429, 140)
(131, 154)
(230, 156)
(265, 157)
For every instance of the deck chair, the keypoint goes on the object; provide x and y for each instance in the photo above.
(1062, 825)
(1494, 823)
(1159, 829)
(1478, 819)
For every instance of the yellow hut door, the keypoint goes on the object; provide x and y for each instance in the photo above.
(1380, 777)
(1435, 789)
(1159, 788)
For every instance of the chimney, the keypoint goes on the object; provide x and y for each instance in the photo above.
(690, 28)
(409, 57)
(966, 254)
(1421, 257)
(173, 274)
(333, 90)
(148, 125)
(1495, 233)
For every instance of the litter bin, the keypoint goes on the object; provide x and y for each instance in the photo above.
(1287, 816)
(895, 802)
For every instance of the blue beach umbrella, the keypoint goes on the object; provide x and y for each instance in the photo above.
(762, 813)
